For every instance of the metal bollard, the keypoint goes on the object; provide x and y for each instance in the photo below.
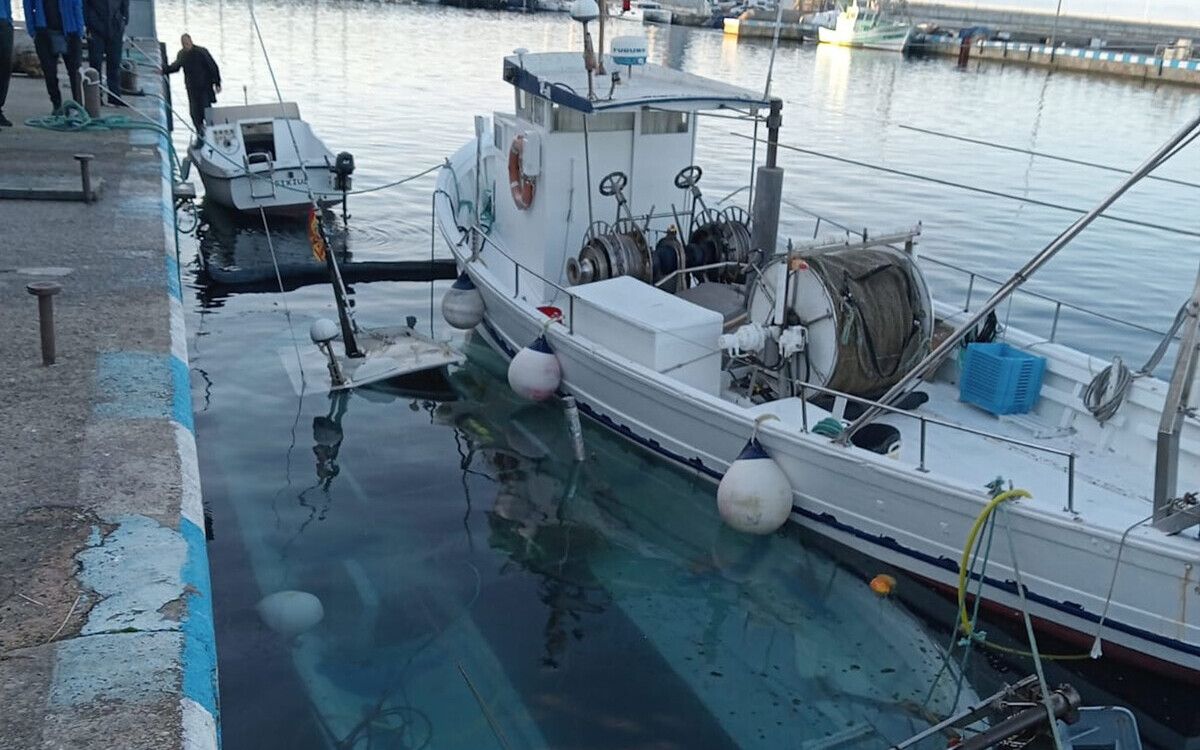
(91, 92)
(85, 175)
(45, 291)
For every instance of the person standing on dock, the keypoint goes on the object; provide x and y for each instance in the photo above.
(57, 30)
(201, 77)
(6, 55)
(106, 21)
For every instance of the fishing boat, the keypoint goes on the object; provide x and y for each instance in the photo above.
(264, 156)
(821, 384)
(860, 27)
(644, 11)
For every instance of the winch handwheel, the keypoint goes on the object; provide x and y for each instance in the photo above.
(688, 177)
(613, 183)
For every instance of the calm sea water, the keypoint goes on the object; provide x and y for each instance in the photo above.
(477, 586)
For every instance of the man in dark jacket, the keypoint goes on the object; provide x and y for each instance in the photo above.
(6, 55)
(106, 21)
(201, 76)
(57, 30)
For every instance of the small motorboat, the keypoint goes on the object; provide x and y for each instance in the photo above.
(264, 156)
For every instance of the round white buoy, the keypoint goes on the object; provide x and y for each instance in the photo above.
(462, 305)
(290, 613)
(535, 373)
(754, 496)
(323, 330)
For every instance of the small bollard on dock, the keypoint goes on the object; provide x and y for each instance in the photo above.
(85, 175)
(45, 291)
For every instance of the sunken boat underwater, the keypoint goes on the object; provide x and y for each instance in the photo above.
(820, 384)
(264, 156)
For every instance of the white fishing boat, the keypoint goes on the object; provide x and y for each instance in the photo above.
(860, 27)
(643, 11)
(264, 156)
(592, 258)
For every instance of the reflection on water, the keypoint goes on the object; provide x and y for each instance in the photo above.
(475, 582)
(590, 605)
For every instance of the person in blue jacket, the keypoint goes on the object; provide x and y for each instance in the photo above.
(57, 30)
(6, 54)
(106, 21)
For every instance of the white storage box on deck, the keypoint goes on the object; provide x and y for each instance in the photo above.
(653, 328)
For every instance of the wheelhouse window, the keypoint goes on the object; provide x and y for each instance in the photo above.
(657, 122)
(567, 120)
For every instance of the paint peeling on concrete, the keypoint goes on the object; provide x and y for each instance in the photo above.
(134, 385)
(136, 571)
(138, 668)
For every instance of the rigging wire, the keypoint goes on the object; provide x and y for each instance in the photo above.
(988, 191)
(287, 312)
(1040, 154)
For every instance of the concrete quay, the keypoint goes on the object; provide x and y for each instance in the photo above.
(1092, 61)
(1041, 23)
(106, 629)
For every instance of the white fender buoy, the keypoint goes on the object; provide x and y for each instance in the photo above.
(754, 496)
(535, 373)
(290, 613)
(462, 305)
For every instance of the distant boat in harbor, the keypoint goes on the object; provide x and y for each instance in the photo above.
(859, 27)
(644, 11)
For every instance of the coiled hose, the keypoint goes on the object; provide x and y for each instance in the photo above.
(1107, 391)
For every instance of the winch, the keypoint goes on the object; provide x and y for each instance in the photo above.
(718, 247)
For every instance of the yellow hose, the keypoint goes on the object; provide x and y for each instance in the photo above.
(963, 565)
(963, 576)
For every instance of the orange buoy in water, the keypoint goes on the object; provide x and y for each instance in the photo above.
(883, 584)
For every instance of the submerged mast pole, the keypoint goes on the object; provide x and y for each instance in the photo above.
(934, 358)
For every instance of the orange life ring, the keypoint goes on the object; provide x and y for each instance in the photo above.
(522, 186)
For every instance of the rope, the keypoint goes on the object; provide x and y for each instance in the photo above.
(1106, 392)
(966, 624)
(1037, 659)
(984, 191)
(287, 313)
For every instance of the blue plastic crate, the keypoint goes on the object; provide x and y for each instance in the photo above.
(1000, 378)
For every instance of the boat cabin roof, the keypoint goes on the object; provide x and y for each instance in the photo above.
(561, 78)
(270, 111)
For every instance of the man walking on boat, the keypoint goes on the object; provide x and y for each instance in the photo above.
(201, 76)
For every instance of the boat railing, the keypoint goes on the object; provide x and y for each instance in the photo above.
(1059, 305)
(925, 421)
(805, 388)
(519, 267)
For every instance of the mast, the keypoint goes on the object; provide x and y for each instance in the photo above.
(934, 358)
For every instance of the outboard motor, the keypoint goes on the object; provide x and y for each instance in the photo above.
(343, 167)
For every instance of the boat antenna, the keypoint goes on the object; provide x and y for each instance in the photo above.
(1174, 145)
(585, 11)
(774, 48)
(335, 273)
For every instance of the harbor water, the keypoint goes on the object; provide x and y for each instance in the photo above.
(477, 588)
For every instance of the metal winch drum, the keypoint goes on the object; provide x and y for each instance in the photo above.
(866, 313)
(622, 249)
